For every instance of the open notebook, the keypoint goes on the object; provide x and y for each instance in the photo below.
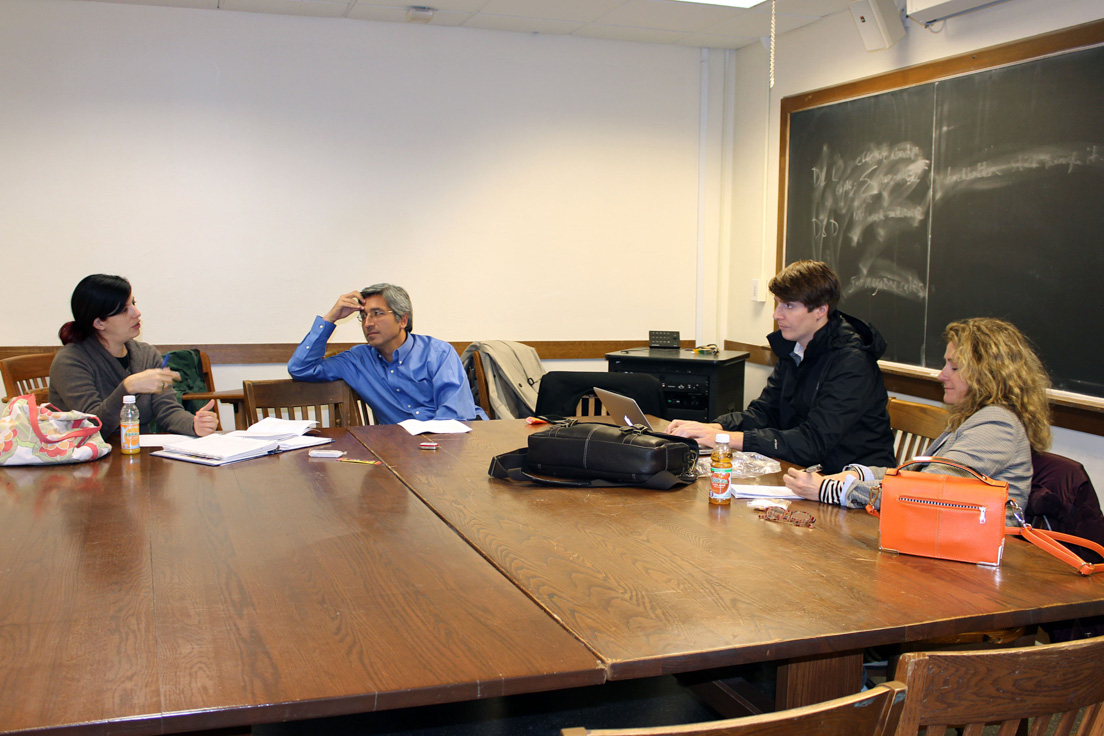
(266, 437)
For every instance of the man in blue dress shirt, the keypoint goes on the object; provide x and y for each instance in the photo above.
(399, 374)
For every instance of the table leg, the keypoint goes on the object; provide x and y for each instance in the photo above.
(815, 679)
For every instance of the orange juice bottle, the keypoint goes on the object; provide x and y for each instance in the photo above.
(128, 426)
(720, 472)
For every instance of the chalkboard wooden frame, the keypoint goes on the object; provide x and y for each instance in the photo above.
(1089, 409)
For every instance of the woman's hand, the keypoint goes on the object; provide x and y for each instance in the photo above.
(150, 381)
(205, 421)
(806, 485)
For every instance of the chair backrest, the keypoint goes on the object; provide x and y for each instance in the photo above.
(590, 406)
(205, 368)
(331, 403)
(875, 711)
(194, 367)
(482, 397)
(1063, 499)
(26, 374)
(571, 393)
(914, 426)
(1049, 683)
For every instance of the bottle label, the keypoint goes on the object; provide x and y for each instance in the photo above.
(129, 435)
(719, 479)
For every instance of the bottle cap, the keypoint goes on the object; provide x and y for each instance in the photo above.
(722, 437)
(128, 399)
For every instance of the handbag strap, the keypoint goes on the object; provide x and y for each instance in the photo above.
(81, 433)
(929, 459)
(1050, 541)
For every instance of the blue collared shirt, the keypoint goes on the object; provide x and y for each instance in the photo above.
(424, 380)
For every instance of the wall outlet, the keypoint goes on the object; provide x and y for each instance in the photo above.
(757, 290)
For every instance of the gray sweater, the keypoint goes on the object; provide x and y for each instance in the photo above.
(85, 377)
(992, 441)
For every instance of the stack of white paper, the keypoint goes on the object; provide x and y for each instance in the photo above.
(436, 426)
(219, 449)
(266, 437)
(274, 428)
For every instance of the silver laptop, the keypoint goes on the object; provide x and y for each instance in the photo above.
(624, 409)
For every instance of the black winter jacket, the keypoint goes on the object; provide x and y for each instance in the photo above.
(829, 409)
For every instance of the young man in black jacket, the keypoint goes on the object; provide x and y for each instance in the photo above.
(825, 402)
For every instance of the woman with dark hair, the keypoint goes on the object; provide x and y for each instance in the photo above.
(995, 386)
(101, 362)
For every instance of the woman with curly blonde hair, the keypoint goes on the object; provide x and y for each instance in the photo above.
(995, 386)
(998, 365)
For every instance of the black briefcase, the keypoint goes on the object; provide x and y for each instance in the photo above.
(589, 454)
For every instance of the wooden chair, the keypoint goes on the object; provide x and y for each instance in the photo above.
(331, 403)
(205, 368)
(194, 399)
(875, 711)
(27, 374)
(1049, 684)
(571, 393)
(914, 427)
(590, 406)
(480, 383)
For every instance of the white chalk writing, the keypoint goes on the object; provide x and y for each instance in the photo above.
(1002, 170)
(863, 203)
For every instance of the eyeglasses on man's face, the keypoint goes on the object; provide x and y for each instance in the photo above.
(373, 315)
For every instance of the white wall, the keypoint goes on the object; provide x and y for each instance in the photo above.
(825, 54)
(244, 169)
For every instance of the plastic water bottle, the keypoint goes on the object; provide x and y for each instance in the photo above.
(720, 472)
(128, 426)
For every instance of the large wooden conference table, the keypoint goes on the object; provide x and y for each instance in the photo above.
(140, 595)
(662, 582)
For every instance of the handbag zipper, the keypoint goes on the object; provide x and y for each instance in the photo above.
(947, 505)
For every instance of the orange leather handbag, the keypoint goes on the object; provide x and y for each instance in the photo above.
(950, 517)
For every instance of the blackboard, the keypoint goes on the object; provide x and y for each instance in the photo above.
(980, 194)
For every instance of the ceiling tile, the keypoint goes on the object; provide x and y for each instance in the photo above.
(819, 8)
(669, 16)
(757, 23)
(398, 15)
(204, 4)
(523, 25)
(644, 21)
(463, 6)
(318, 8)
(577, 10)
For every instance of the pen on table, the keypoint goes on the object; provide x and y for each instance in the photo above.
(813, 468)
(353, 460)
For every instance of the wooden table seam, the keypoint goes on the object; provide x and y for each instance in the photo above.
(606, 664)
